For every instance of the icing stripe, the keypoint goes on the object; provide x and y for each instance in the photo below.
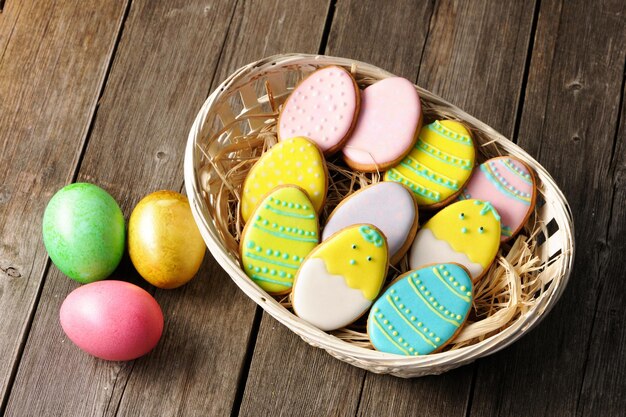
(278, 234)
(273, 281)
(384, 332)
(457, 324)
(439, 129)
(462, 297)
(517, 171)
(434, 177)
(509, 190)
(409, 323)
(397, 176)
(437, 153)
(271, 261)
(506, 231)
(289, 214)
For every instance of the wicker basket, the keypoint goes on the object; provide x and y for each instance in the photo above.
(245, 93)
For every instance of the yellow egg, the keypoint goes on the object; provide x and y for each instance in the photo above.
(163, 240)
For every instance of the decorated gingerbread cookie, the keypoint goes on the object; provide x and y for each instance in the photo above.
(387, 127)
(439, 165)
(466, 232)
(341, 278)
(388, 206)
(295, 161)
(421, 311)
(282, 231)
(508, 184)
(323, 108)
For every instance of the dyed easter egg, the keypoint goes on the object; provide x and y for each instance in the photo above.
(83, 231)
(507, 183)
(295, 161)
(439, 165)
(112, 320)
(164, 243)
(421, 311)
(281, 233)
(388, 206)
(387, 126)
(323, 107)
(466, 232)
(341, 278)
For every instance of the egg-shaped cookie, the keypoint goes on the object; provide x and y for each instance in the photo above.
(387, 127)
(508, 184)
(294, 161)
(282, 231)
(341, 278)
(389, 206)
(466, 232)
(421, 311)
(439, 165)
(323, 107)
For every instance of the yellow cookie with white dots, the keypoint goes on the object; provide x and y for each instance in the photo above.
(296, 161)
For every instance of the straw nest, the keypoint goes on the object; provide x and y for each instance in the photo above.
(510, 288)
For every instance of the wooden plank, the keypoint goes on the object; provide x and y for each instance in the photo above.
(569, 123)
(53, 62)
(287, 376)
(161, 73)
(471, 47)
(602, 391)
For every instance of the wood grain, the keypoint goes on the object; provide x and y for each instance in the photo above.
(161, 73)
(287, 376)
(569, 123)
(466, 54)
(53, 61)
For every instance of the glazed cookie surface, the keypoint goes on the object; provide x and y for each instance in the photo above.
(439, 165)
(295, 161)
(387, 126)
(323, 107)
(421, 311)
(386, 205)
(507, 183)
(466, 232)
(340, 279)
(281, 233)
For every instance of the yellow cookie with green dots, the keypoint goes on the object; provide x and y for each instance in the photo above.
(281, 232)
(296, 161)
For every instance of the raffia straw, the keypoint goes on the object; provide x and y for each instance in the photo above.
(511, 286)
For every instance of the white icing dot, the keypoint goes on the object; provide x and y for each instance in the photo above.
(298, 164)
(316, 193)
(300, 178)
(301, 147)
(256, 185)
(277, 172)
(253, 199)
(280, 182)
(290, 172)
(271, 163)
(318, 128)
(309, 170)
(317, 175)
(270, 185)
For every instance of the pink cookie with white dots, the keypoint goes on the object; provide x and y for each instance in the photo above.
(387, 128)
(323, 108)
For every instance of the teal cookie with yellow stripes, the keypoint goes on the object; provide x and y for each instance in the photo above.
(421, 311)
(281, 232)
(439, 165)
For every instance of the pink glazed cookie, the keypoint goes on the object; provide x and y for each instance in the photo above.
(387, 127)
(323, 108)
(509, 185)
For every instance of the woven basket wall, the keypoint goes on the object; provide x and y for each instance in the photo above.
(244, 93)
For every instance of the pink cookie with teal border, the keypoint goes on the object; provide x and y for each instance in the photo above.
(509, 185)
(323, 108)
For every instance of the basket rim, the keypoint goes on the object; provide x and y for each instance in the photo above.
(359, 355)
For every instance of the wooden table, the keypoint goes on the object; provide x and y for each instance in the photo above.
(106, 91)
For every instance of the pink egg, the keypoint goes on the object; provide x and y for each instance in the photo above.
(112, 320)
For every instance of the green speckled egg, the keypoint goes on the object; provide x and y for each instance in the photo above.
(83, 231)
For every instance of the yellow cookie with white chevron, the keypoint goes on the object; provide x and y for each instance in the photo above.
(439, 165)
(295, 161)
